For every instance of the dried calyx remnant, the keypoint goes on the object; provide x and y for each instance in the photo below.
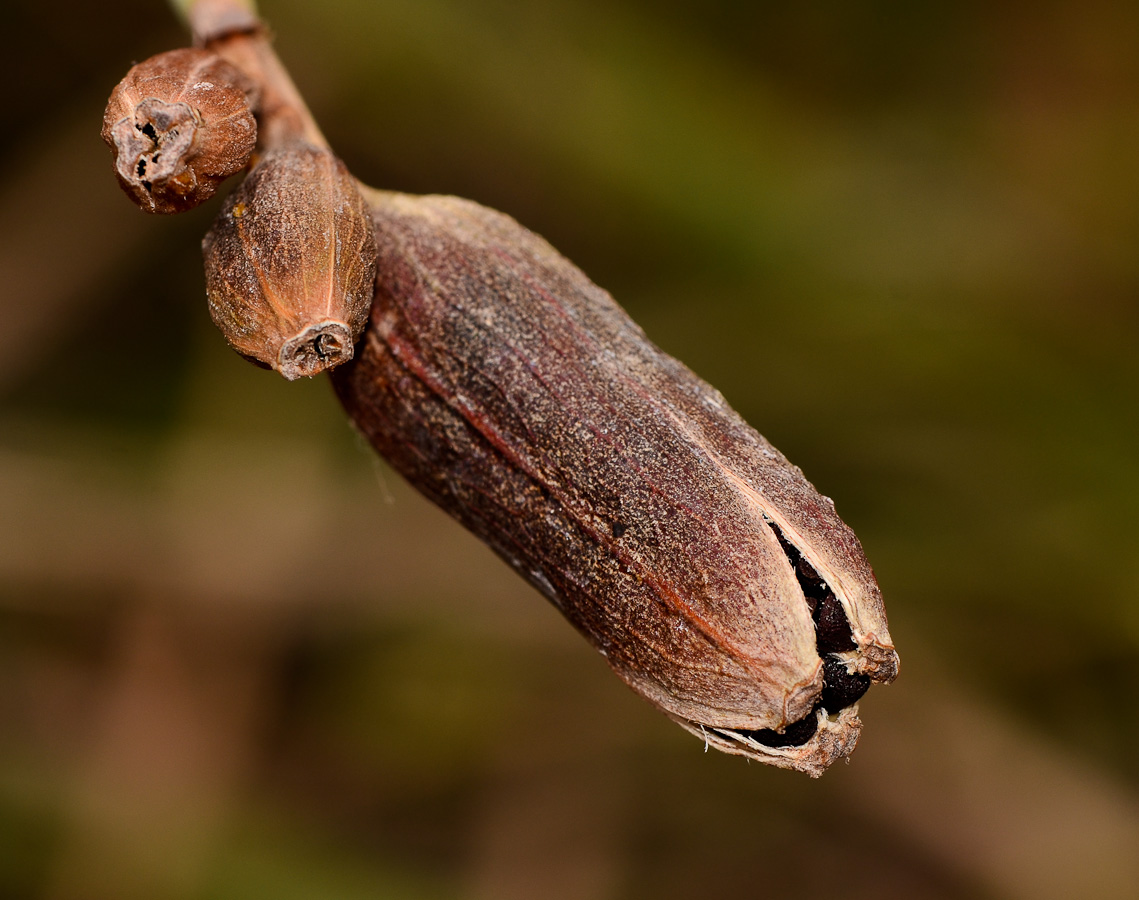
(518, 396)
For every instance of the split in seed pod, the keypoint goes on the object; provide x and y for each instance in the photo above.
(291, 262)
(179, 124)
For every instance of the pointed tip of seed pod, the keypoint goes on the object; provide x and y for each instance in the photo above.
(156, 177)
(878, 660)
(324, 345)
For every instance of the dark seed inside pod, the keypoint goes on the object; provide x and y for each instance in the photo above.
(832, 630)
(794, 735)
(841, 688)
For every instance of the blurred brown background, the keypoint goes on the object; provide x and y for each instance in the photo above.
(240, 659)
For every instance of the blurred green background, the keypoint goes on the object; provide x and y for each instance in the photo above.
(239, 658)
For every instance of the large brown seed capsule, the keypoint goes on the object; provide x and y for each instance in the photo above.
(178, 125)
(291, 261)
(514, 393)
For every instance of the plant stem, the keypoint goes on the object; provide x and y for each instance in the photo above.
(283, 116)
(232, 29)
(208, 17)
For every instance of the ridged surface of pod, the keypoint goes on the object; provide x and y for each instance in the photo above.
(516, 394)
(290, 262)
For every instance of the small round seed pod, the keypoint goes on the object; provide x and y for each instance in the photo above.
(291, 262)
(178, 125)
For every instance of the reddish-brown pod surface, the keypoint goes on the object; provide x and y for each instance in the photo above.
(290, 262)
(513, 392)
(179, 124)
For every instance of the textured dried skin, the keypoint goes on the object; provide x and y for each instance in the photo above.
(291, 261)
(513, 392)
(178, 125)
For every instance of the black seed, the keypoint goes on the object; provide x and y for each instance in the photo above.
(840, 687)
(618, 529)
(832, 635)
(794, 735)
(832, 630)
(840, 690)
(809, 580)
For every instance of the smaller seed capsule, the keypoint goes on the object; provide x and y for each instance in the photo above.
(291, 262)
(179, 124)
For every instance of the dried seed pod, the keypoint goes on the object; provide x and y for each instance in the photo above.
(290, 262)
(178, 125)
(514, 393)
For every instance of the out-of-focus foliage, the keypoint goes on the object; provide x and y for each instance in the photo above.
(239, 659)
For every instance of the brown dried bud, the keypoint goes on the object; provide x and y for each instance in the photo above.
(178, 125)
(514, 393)
(291, 261)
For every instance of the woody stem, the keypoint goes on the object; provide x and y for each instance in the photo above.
(232, 29)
